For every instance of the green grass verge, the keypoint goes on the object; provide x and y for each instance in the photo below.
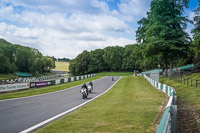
(186, 93)
(36, 91)
(188, 104)
(132, 105)
(7, 76)
(115, 73)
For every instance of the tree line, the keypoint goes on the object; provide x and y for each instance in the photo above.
(162, 41)
(63, 59)
(111, 58)
(23, 59)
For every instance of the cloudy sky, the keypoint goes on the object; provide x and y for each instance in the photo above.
(64, 28)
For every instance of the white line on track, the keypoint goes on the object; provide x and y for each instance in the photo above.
(45, 93)
(64, 113)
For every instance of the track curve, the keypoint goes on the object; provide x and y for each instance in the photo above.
(19, 114)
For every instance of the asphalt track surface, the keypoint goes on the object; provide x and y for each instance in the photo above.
(20, 114)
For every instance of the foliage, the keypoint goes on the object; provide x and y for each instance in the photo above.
(163, 32)
(97, 63)
(24, 59)
(64, 59)
(79, 65)
(196, 37)
(113, 58)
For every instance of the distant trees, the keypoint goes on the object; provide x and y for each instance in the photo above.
(80, 64)
(97, 63)
(24, 59)
(64, 59)
(113, 58)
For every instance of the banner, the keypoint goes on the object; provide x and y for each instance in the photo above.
(11, 87)
(40, 84)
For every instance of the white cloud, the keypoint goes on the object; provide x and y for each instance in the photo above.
(64, 28)
(136, 8)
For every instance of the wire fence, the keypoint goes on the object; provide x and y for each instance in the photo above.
(187, 81)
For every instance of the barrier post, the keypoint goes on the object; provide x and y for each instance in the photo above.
(174, 118)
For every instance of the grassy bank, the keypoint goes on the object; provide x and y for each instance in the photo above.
(36, 91)
(188, 104)
(184, 92)
(7, 76)
(115, 73)
(132, 105)
(62, 66)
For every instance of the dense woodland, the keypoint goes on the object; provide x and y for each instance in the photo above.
(161, 41)
(23, 59)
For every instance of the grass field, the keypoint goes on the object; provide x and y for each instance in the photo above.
(131, 106)
(188, 104)
(7, 76)
(36, 91)
(115, 73)
(62, 66)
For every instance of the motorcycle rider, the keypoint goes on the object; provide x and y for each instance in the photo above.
(85, 86)
(91, 83)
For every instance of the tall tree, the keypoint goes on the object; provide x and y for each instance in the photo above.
(196, 37)
(165, 34)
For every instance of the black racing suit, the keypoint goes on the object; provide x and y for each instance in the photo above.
(91, 84)
(85, 86)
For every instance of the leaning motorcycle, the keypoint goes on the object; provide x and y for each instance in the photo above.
(84, 92)
(90, 88)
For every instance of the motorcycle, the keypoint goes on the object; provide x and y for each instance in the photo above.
(84, 92)
(90, 88)
(112, 78)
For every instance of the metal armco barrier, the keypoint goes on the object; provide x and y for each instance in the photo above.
(168, 123)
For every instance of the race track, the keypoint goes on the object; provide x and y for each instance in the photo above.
(20, 114)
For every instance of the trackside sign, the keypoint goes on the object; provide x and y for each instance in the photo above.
(10, 87)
